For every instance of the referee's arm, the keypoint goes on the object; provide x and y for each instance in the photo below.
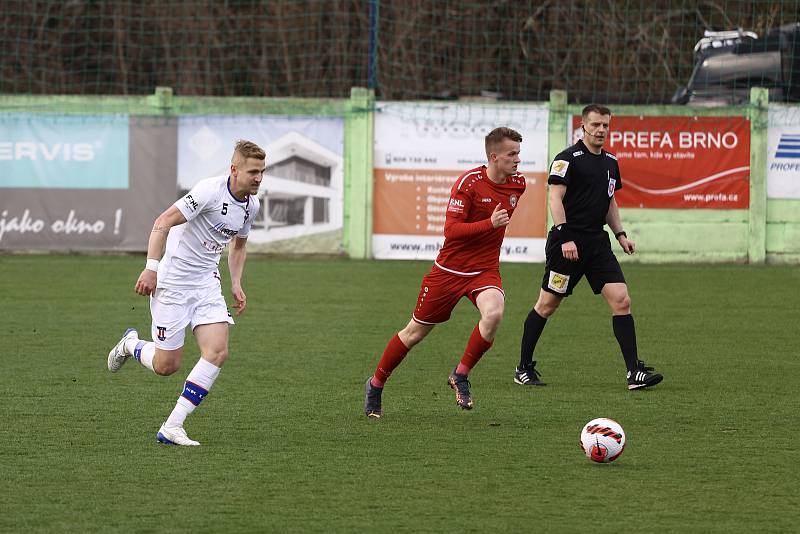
(614, 222)
(556, 196)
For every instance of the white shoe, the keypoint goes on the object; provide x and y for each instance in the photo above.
(174, 435)
(117, 357)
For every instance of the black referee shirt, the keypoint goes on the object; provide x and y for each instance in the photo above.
(591, 180)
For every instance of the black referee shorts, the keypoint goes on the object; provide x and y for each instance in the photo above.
(595, 260)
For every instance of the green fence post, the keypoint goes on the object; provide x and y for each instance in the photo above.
(161, 99)
(759, 123)
(358, 141)
(556, 134)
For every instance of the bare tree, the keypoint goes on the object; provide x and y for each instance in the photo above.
(618, 51)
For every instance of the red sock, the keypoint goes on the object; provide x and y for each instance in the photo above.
(476, 347)
(393, 354)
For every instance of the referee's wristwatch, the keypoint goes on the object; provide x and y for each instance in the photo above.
(622, 232)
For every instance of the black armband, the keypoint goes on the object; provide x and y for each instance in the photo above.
(621, 233)
(564, 233)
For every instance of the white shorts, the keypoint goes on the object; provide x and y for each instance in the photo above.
(175, 309)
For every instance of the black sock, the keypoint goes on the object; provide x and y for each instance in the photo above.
(534, 324)
(625, 333)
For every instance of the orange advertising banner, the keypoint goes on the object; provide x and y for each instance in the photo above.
(421, 149)
(414, 202)
(680, 162)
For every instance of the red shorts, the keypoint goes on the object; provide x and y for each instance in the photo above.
(441, 291)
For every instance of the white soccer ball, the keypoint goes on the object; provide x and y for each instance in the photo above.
(602, 440)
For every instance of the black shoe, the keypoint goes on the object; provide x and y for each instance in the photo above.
(372, 400)
(460, 384)
(527, 375)
(645, 366)
(641, 377)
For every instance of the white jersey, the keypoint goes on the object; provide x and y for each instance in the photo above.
(214, 217)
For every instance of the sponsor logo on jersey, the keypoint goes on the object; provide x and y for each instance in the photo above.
(558, 282)
(612, 156)
(611, 183)
(513, 201)
(190, 202)
(578, 153)
(559, 167)
(161, 333)
(484, 199)
(220, 227)
(456, 205)
(216, 248)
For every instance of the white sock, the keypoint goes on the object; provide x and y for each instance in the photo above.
(195, 390)
(142, 351)
(130, 345)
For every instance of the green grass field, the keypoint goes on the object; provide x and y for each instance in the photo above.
(286, 447)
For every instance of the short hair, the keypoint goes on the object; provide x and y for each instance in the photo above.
(247, 149)
(496, 136)
(597, 108)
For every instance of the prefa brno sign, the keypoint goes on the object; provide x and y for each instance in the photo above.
(680, 162)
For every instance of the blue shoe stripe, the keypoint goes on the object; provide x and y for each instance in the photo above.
(163, 439)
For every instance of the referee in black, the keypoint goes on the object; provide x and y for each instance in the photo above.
(583, 179)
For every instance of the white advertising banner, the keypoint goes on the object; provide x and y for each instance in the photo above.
(783, 152)
(420, 151)
(83, 182)
(302, 192)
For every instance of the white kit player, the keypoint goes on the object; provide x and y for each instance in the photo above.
(184, 285)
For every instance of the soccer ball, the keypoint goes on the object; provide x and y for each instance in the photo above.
(602, 440)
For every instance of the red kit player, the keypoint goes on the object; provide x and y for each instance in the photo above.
(481, 204)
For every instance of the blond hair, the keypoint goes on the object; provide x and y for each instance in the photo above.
(247, 149)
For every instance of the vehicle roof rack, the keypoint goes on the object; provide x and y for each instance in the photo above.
(719, 39)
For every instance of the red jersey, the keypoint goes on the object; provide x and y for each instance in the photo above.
(472, 243)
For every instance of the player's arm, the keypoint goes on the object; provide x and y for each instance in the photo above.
(555, 195)
(456, 228)
(614, 222)
(237, 254)
(146, 284)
